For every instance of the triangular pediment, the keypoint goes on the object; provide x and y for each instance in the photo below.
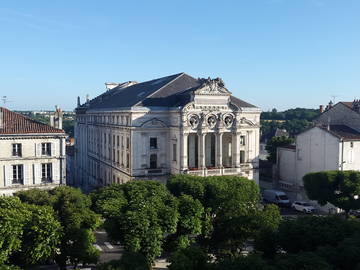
(212, 87)
(154, 123)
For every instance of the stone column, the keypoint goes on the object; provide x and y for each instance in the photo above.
(201, 150)
(184, 156)
(219, 150)
(236, 149)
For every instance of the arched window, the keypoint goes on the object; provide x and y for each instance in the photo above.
(153, 161)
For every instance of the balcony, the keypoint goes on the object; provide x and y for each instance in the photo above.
(212, 171)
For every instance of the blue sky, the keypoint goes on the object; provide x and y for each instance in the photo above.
(272, 53)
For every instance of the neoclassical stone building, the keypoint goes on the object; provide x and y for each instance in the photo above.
(175, 124)
(32, 154)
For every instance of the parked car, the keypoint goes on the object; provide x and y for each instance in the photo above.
(276, 196)
(303, 207)
(355, 213)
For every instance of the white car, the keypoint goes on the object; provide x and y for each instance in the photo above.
(303, 207)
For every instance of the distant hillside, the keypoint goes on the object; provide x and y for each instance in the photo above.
(293, 120)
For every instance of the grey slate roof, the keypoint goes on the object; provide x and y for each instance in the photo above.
(343, 132)
(170, 91)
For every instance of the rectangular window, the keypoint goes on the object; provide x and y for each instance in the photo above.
(18, 174)
(242, 156)
(46, 172)
(118, 157)
(174, 152)
(16, 150)
(242, 140)
(122, 142)
(127, 143)
(153, 143)
(118, 141)
(46, 149)
(127, 161)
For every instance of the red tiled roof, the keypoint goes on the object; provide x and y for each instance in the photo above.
(15, 123)
(346, 103)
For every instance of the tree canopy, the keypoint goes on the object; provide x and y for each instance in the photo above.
(30, 234)
(274, 143)
(340, 188)
(77, 220)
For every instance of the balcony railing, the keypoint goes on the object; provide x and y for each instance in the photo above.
(244, 167)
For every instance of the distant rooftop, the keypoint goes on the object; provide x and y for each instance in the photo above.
(15, 123)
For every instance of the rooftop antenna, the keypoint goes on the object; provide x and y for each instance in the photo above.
(334, 98)
(5, 100)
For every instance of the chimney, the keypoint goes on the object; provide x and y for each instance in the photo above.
(1, 119)
(321, 108)
(328, 124)
(87, 98)
(356, 105)
(57, 118)
(78, 102)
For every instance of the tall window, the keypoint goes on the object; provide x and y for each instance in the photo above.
(46, 172)
(127, 161)
(153, 143)
(18, 174)
(16, 150)
(117, 141)
(242, 140)
(127, 143)
(153, 161)
(46, 149)
(174, 151)
(242, 156)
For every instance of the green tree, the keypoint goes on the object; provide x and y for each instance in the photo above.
(250, 262)
(11, 227)
(190, 224)
(147, 212)
(41, 236)
(301, 261)
(128, 261)
(233, 210)
(77, 220)
(308, 233)
(190, 258)
(34, 234)
(274, 143)
(340, 188)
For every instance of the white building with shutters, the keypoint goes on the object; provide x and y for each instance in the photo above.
(333, 143)
(171, 125)
(32, 154)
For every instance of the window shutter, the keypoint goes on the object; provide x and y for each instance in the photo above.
(38, 149)
(55, 172)
(8, 175)
(26, 175)
(54, 149)
(37, 173)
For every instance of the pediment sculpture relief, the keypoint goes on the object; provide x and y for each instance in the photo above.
(212, 87)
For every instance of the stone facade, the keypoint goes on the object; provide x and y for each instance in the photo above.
(184, 126)
(34, 157)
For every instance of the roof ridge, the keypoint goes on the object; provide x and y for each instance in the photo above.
(177, 77)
